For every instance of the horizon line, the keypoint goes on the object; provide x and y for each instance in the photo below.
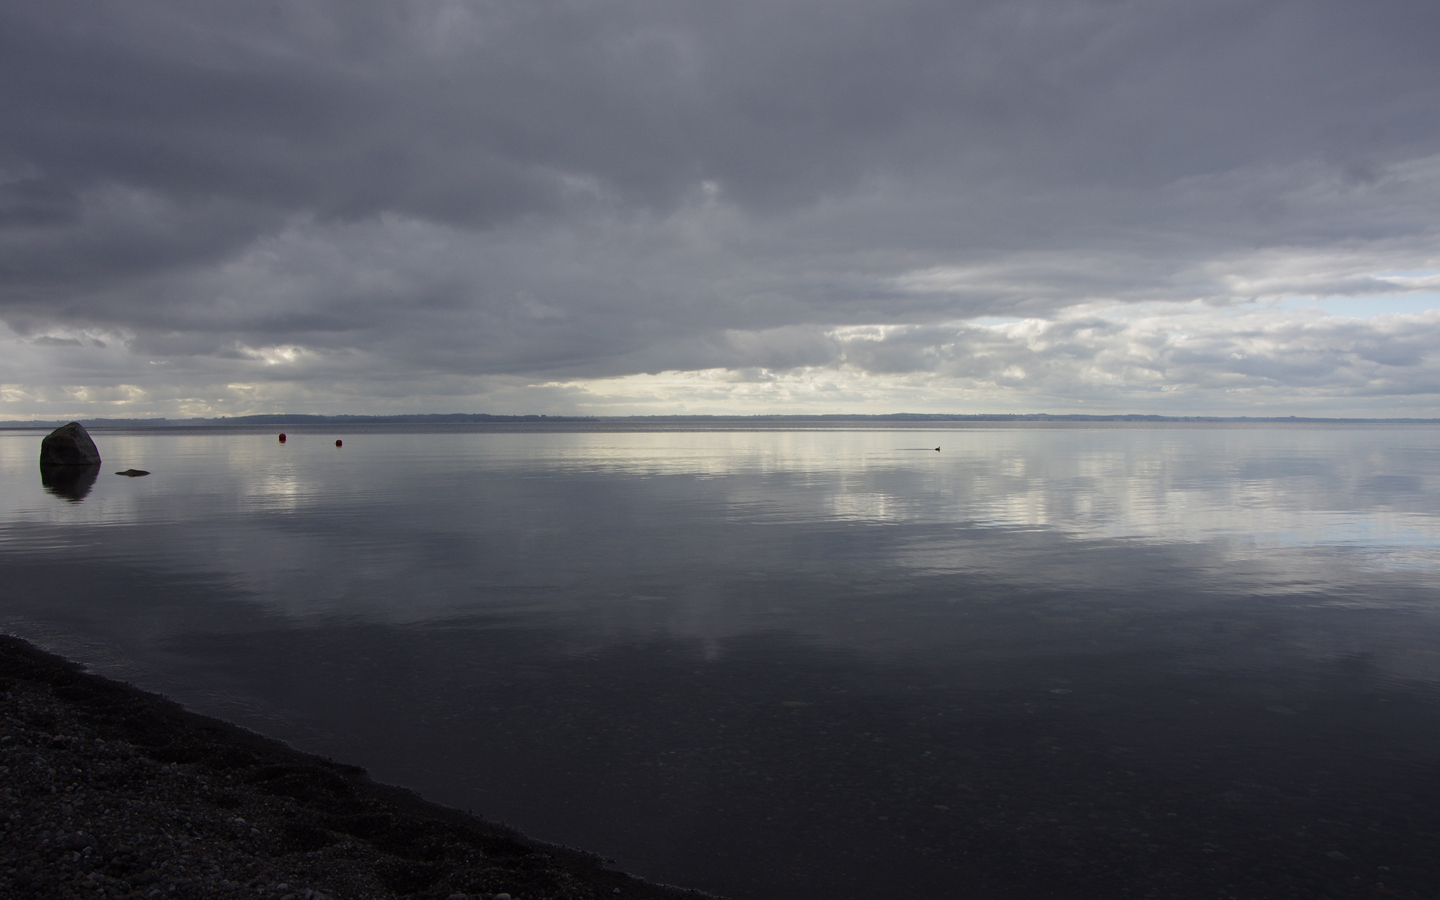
(480, 418)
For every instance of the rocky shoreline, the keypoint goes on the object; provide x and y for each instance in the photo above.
(110, 792)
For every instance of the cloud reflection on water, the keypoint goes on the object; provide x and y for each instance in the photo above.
(809, 630)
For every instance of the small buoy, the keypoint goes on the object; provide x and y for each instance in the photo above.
(282, 437)
(339, 443)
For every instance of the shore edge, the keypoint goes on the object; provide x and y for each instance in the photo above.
(112, 791)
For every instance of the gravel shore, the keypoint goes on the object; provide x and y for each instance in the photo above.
(109, 791)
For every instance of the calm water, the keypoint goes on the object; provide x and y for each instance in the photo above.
(1071, 662)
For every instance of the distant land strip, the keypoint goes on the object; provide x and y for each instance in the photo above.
(713, 420)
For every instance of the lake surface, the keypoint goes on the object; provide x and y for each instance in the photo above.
(1044, 661)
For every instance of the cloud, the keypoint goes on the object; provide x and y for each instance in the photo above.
(353, 205)
(1170, 350)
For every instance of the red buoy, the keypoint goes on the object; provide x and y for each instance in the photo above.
(282, 437)
(338, 443)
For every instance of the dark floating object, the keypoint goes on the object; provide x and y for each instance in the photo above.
(339, 443)
(282, 437)
(937, 449)
(133, 473)
(69, 482)
(69, 445)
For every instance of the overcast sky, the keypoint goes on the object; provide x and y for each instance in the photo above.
(727, 206)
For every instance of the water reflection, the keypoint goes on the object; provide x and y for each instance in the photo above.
(1071, 663)
(72, 483)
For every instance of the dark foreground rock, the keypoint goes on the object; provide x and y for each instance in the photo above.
(69, 445)
(109, 791)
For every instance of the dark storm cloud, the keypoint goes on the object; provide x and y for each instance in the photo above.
(589, 189)
(471, 112)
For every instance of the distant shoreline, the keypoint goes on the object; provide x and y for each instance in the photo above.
(700, 422)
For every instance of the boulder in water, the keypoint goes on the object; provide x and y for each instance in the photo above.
(69, 445)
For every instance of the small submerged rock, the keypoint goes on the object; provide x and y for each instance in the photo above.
(133, 473)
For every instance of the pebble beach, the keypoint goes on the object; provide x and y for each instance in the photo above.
(110, 791)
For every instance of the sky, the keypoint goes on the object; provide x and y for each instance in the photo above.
(633, 207)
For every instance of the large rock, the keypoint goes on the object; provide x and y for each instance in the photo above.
(68, 445)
